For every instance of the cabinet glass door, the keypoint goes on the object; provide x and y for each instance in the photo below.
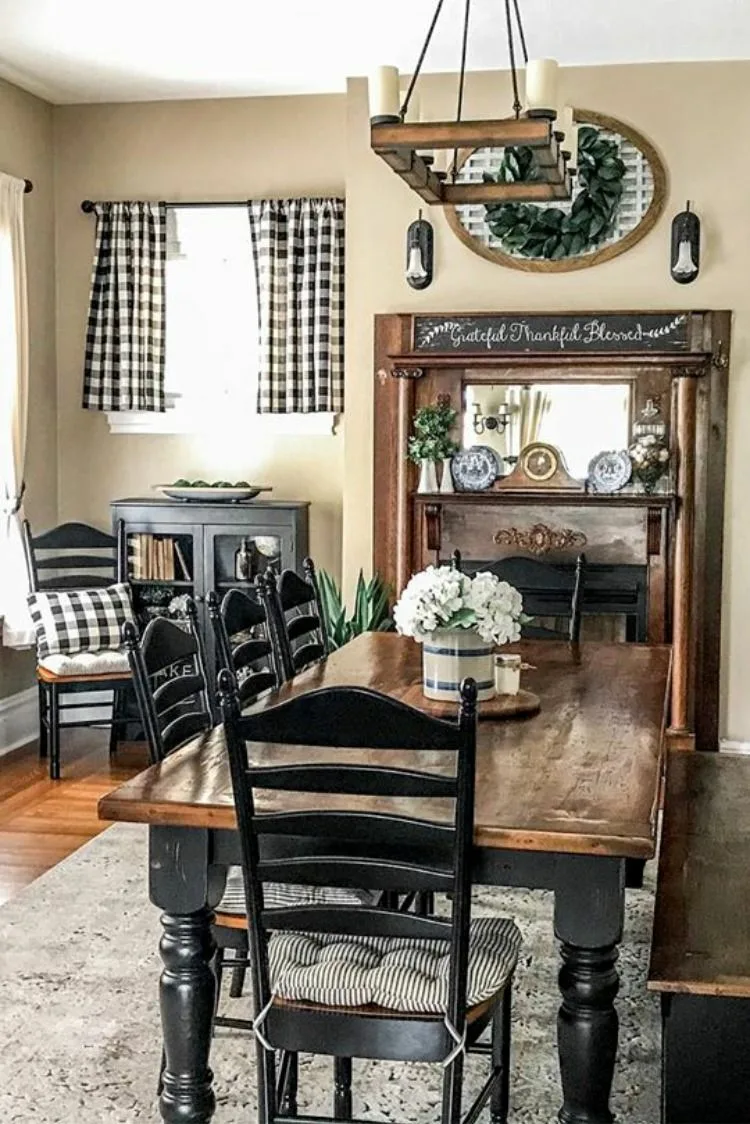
(235, 557)
(161, 568)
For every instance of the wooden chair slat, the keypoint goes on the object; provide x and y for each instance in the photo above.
(183, 728)
(302, 625)
(369, 780)
(356, 827)
(354, 717)
(73, 536)
(361, 922)
(175, 691)
(355, 873)
(248, 652)
(75, 561)
(73, 582)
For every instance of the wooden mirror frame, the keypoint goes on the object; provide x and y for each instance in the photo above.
(606, 253)
(684, 530)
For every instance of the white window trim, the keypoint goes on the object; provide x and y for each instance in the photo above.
(179, 418)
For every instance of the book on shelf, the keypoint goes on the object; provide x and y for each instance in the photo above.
(156, 558)
(186, 575)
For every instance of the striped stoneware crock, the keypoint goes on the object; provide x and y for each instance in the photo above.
(449, 656)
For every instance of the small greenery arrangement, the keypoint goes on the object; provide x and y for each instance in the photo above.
(430, 440)
(549, 232)
(182, 483)
(371, 610)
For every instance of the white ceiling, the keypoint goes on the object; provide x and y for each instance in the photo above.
(102, 50)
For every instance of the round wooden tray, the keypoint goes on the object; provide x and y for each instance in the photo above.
(501, 706)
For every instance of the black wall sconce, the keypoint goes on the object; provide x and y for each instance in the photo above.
(686, 246)
(419, 253)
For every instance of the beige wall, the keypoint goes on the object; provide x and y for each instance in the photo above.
(693, 113)
(231, 149)
(26, 151)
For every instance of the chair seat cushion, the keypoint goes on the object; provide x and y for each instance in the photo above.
(396, 973)
(81, 620)
(280, 895)
(87, 663)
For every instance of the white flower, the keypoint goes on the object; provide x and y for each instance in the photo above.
(443, 598)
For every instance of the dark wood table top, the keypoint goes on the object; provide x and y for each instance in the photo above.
(701, 942)
(581, 776)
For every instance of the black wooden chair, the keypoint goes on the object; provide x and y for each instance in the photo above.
(73, 557)
(297, 618)
(547, 590)
(403, 1007)
(244, 641)
(169, 675)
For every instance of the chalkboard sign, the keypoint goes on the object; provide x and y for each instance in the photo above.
(571, 332)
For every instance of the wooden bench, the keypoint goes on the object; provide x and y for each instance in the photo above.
(700, 955)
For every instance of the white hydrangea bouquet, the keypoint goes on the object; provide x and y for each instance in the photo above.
(459, 620)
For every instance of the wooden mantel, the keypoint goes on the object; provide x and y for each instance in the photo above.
(684, 360)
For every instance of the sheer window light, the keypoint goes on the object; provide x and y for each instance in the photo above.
(212, 348)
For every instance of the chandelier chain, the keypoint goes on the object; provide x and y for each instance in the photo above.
(512, 58)
(521, 36)
(461, 79)
(420, 60)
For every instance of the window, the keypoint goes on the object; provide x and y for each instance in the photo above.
(211, 369)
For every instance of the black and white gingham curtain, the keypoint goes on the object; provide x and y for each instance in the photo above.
(298, 246)
(125, 337)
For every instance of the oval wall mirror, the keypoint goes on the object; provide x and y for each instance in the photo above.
(617, 197)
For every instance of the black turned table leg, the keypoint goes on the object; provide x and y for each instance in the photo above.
(186, 888)
(188, 996)
(589, 903)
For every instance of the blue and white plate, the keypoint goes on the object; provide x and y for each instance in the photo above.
(475, 469)
(609, 471)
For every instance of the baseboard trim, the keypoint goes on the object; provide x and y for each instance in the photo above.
(19, 720)
(731, 745)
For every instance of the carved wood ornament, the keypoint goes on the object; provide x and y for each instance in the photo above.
(540, 539)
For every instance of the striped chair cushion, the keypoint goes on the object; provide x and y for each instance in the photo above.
(399, 974)
(82, 620)
(279, 895)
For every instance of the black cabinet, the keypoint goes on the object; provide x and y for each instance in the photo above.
(174, 548)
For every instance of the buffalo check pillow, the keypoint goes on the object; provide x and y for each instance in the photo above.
(82, 620)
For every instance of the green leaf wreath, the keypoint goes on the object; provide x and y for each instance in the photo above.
(549, 232)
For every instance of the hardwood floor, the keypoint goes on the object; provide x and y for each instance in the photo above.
(44, 821)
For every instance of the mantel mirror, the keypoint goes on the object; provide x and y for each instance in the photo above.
(579, 418)
(619, 193)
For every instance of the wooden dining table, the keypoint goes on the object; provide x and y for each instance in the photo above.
(564, 798)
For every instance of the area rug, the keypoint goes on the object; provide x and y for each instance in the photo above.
(79, 1021)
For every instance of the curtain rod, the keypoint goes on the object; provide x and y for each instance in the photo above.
(27, 187)
(87, 206)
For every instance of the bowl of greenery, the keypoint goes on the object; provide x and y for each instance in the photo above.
(203, 491)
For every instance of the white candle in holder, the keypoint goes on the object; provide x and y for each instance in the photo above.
(385, 95)
(507, 674)
(541, 86)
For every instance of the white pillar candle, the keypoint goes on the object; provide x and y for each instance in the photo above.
(384, 93)
(541, 84)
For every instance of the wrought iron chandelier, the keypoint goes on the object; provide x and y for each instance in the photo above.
(406, 146)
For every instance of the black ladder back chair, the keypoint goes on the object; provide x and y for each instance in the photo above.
(169, 675)
(412, 1016)
(297, 617)
(548, 591)
(69, 558)
(244, 641)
